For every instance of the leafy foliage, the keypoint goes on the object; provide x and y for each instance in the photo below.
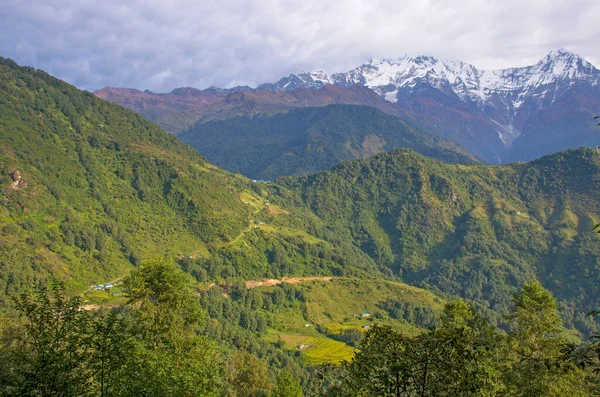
(466, 356)
(66, 351)
(62, 350)
(471, 231)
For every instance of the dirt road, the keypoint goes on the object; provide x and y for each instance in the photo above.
(290, 280)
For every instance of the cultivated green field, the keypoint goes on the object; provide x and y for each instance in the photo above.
(331, 307)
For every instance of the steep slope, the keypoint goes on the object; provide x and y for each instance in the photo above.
(308, 140)
(500, 115)
(89, 189)
(474, 231)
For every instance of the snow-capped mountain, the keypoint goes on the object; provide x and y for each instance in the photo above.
(514, 114)
(388, 76)
(505, 100)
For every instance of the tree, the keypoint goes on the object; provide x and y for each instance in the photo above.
(171, 355)
(112, 347)
(161, 300)
(382, 366)
(287, 386)
(58, 344)
(458, 359)
(538, 367)
(249, 375)
(62, 350)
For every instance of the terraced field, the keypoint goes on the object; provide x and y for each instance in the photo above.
(335, 305)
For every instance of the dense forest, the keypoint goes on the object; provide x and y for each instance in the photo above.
(160, 343)
(94, 194)
(308, 140)
(471, 231)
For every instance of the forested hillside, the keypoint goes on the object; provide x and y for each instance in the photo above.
(473, 231)
(308, 140)
(90, 189)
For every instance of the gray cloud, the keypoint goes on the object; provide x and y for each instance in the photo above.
(163, 44)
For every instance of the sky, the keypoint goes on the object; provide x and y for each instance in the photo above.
(165, 44)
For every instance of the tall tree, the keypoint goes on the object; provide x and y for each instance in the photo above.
(58, 344)
(538, 367)
(172, 357)
(249, 375)
(287, 386)
(458, 359)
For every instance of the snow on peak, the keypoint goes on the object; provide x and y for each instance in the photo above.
(503, 92)
(387, 76)
(562, 64)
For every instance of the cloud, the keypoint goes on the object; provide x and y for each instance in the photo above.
(163, 44)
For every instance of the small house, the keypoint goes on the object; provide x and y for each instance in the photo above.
(366, 326)
(365, 315)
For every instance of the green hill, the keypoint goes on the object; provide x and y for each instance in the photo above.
(308, 140)
(474, 231)
(98, 189)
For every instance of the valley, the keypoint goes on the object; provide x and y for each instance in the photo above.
(299, 199)
(417, 243)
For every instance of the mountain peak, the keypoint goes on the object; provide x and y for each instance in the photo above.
(562, 64)
(561, 53)
(564, 56)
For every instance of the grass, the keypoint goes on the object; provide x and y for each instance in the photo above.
(400, 327)
(333, 305)
(319, 349)
(252, 201)
(291, 320)
(277, 210)
(340, 299)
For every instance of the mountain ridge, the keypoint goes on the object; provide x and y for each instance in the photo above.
(465, 79)
(470, 230)
(311, 139)
(99, 189)
(505, 99)
(513, 114)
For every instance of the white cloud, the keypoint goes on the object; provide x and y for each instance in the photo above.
(162, 44)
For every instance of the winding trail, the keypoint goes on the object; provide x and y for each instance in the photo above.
(290, 280)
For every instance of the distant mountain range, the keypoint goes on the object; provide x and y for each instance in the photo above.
(178, 110)
(309, 140)
(513, 114)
